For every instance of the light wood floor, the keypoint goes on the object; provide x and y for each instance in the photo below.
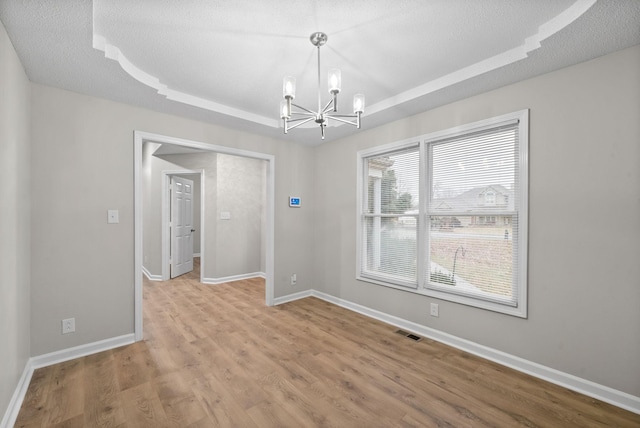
(215, 356)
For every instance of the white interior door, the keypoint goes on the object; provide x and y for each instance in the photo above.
(181, 226)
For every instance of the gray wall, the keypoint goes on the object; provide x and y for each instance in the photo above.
(233, 184)
(15, 242)
(241, 188)
(151, 206)
(197, 211)
(82, 266)
(584, 228)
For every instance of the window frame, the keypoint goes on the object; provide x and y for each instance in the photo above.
(379, 277)
(520, 195)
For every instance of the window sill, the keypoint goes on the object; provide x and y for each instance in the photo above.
(451, 297)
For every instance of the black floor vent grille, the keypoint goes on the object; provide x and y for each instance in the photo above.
(409, 335)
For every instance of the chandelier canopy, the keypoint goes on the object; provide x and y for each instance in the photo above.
(322, 115)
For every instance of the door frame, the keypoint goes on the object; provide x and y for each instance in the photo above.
(166, 210)
(141, 137)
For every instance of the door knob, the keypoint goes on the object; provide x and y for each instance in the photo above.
(193, 230)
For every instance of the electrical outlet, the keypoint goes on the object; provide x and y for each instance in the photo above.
(68, 325)
(434, 310)
(294, 279)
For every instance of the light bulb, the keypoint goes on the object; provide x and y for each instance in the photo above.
(358, 103)
(335, 81)
(289, 87)
(284, 110)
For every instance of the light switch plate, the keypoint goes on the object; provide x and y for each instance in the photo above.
(113, 216)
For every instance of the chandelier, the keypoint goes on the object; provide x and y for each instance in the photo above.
(293, 119)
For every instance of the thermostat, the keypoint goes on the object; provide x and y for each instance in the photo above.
(294, 201)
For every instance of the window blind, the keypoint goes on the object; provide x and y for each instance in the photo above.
(472, 214)
(391, 217)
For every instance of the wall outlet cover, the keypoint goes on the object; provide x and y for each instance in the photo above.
(68, 325)
(434, 310)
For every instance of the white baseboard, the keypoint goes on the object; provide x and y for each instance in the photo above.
(56, 357)
(149, 276)
(11, 414)
(80, 351)
(292, 297)
(222, 280)
(604, 393)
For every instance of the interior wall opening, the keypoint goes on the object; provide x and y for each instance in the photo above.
(233, 226)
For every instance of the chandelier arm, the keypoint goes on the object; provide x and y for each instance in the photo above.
(298, 119)
(353, 116)
(339, 119)
(298, 124)
(305, 109)
(328, 107)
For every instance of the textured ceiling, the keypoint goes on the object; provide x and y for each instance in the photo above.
(223, 62)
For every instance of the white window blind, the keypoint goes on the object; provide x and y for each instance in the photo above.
(446, 216)
(391, 217)
(472, 216)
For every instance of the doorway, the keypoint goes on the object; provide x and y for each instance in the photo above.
(140, 138)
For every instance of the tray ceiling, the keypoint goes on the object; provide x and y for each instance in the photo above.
(223, 62)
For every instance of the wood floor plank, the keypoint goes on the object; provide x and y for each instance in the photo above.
(34, 404)
(180, 404)
(66, 396)
(143, 408)
(134, 366)
(216, 356)
(270, 414)
(75, 422)
(221, 407)
(103, 407)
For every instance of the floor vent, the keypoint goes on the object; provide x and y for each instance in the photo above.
(409, 335)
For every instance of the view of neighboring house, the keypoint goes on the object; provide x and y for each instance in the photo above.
(487, 205)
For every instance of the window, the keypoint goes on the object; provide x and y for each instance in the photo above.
(446, 215)
(390, 220)
(490, 197)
